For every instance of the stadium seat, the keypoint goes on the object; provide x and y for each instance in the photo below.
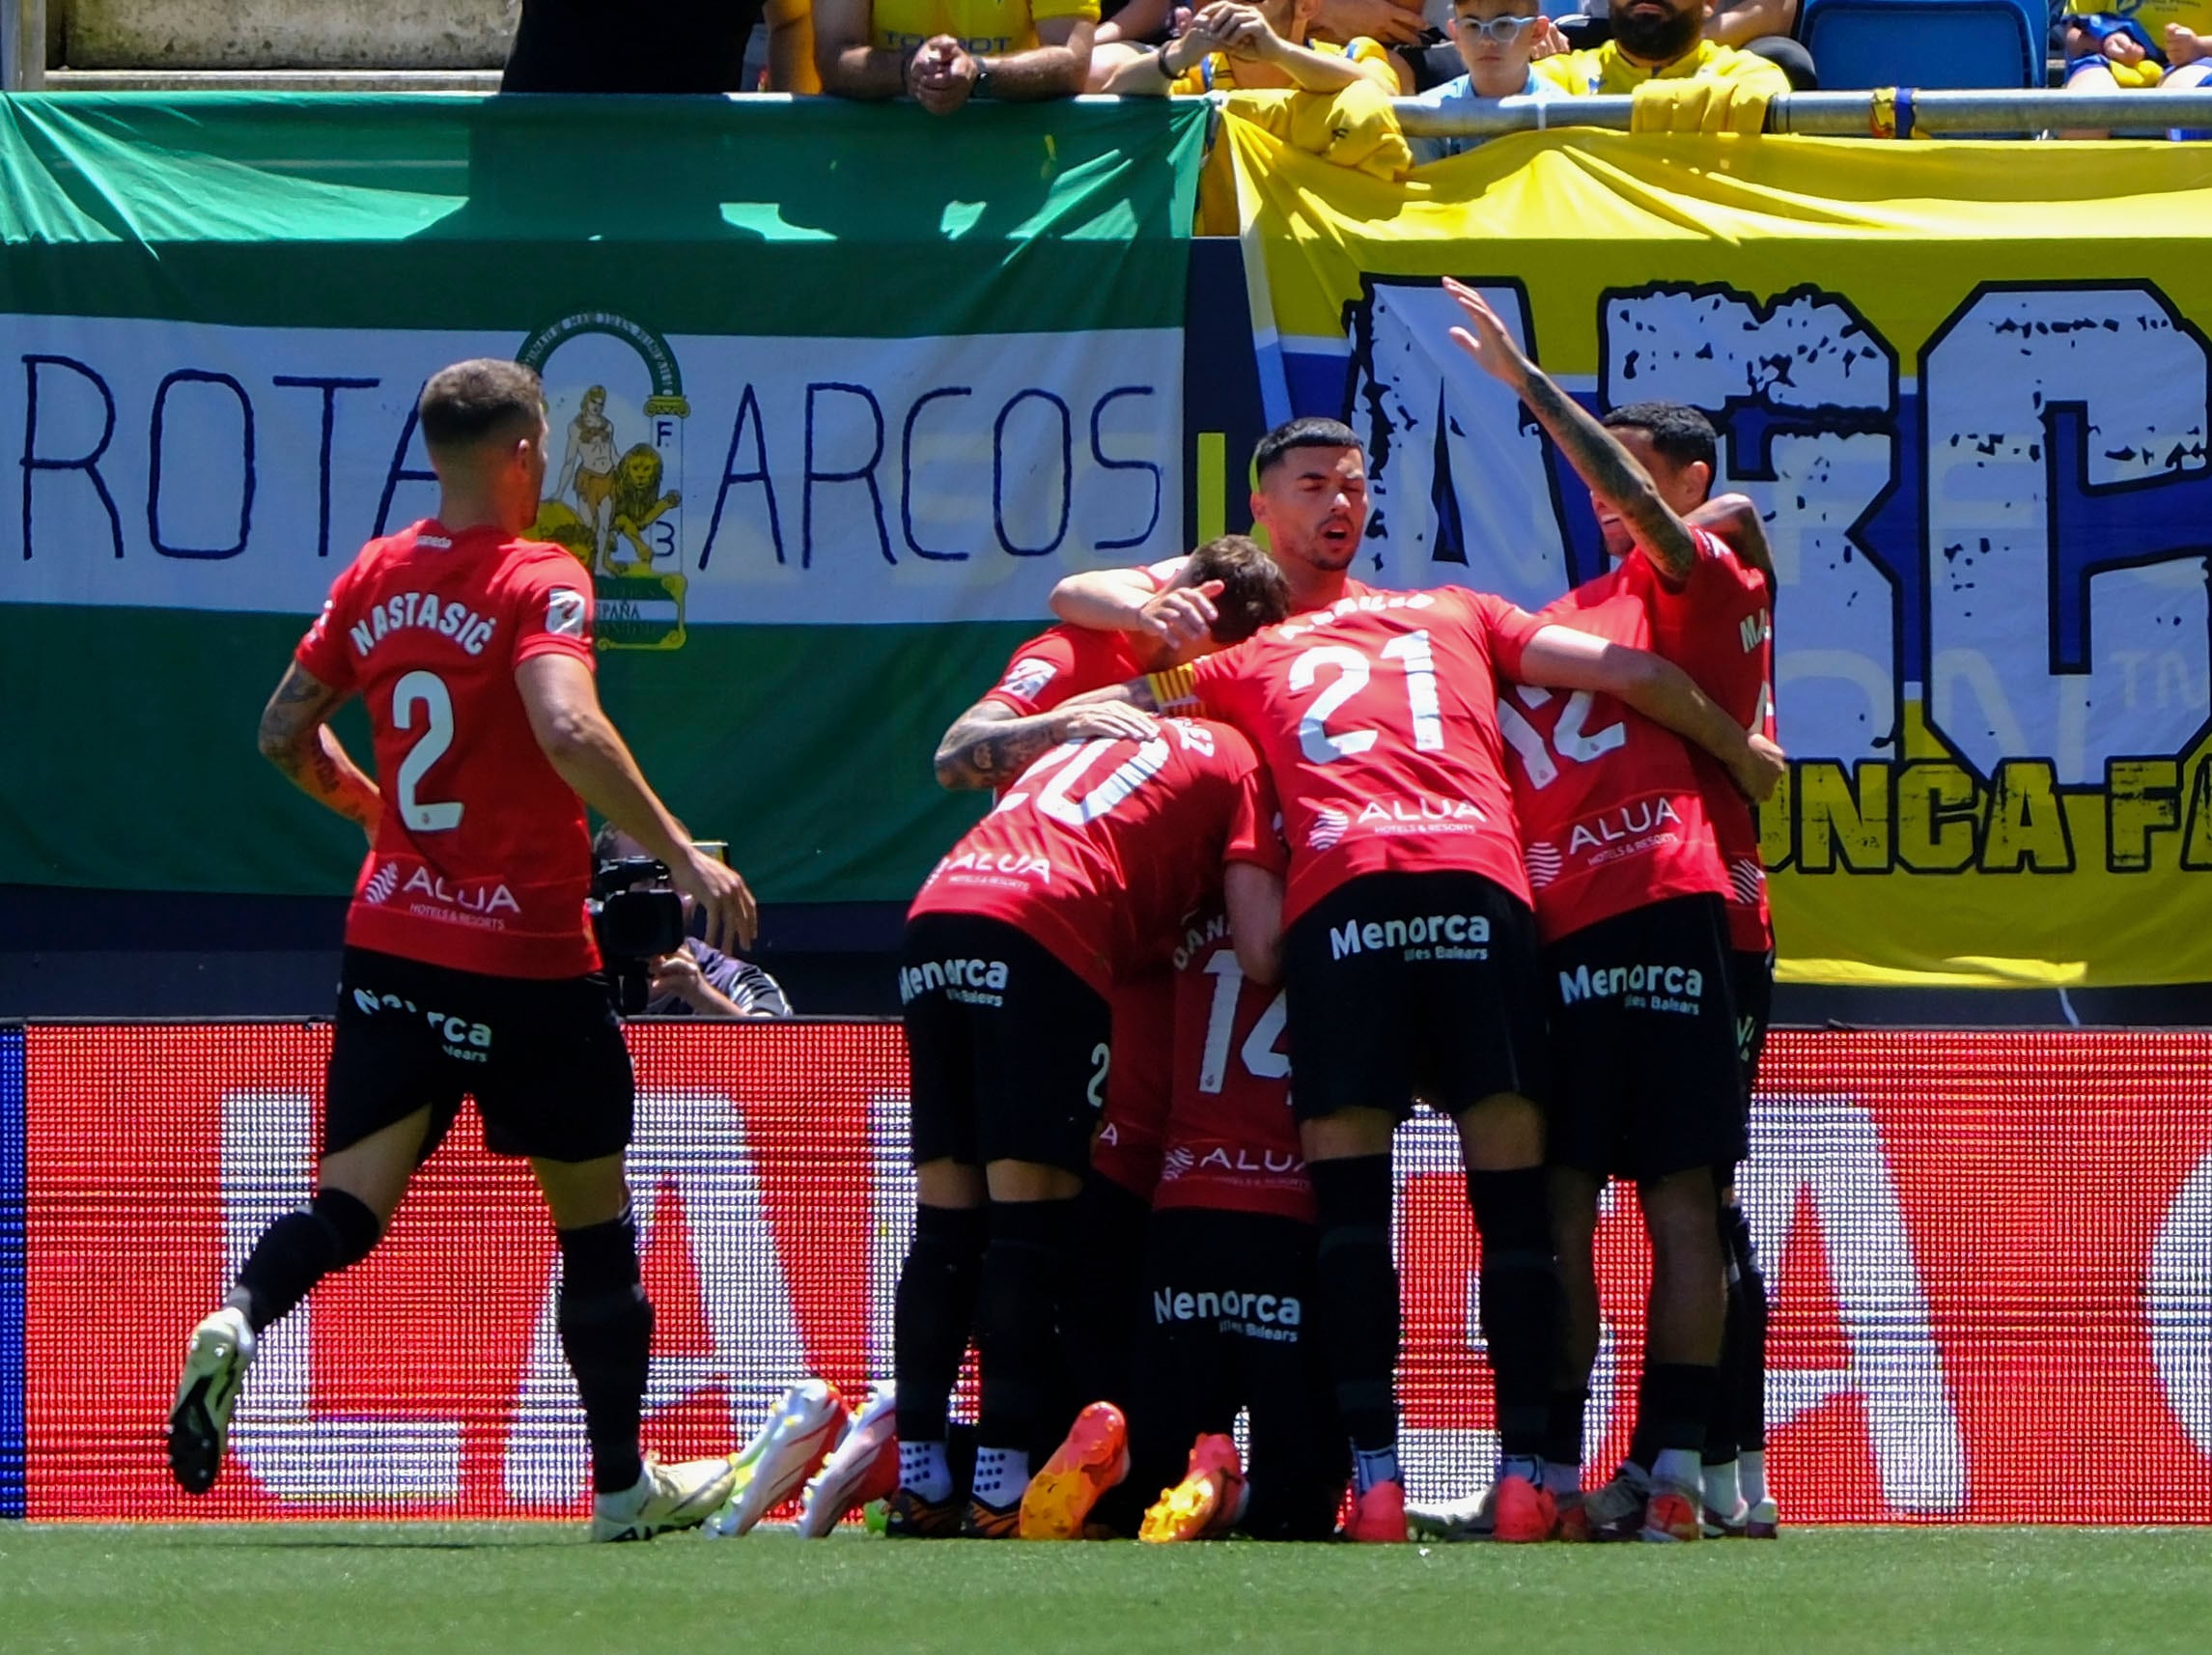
(1947, 43)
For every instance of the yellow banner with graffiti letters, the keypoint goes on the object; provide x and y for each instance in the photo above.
(1967, 384)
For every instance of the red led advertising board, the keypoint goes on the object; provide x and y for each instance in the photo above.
(1989, 1257)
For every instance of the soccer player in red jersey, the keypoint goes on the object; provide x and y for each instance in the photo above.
(1713, 615)
(1229, 1273)
(1075, 882)
(1409, 952)
(1219, 594)
(1620, 834)
(1710, 602)
(469, 964)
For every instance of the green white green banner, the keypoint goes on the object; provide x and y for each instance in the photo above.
(832, 408)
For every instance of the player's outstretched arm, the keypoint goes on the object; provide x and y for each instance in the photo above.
(296, 736)
(990, 744)
(582, 745)
(1254, 897)
(1595, 453)
(1563, 658)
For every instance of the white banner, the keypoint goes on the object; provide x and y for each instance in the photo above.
(713, 479)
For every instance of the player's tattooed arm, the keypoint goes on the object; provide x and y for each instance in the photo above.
(1596, 455)
(990, 744)
(296, 736)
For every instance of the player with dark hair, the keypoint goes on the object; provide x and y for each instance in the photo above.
(1628, 886)
(1013, 951)
(1310, 498)
(1410, 949)
(1712, 613)
(470, 965)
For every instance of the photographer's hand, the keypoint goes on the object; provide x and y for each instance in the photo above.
(679, 974)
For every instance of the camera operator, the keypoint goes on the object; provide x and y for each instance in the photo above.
(469, 966)
(695, 980)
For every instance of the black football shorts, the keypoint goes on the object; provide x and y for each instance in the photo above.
(1643, 1043)
(1007, 1048)
(543, 1058)
(1414, 984)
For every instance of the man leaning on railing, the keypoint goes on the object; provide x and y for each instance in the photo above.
(1681, 81)
(943, 53)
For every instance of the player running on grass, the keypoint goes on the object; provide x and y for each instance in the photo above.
(1410, 949)
(1012, 948)
(470, 965)
(1630, 890)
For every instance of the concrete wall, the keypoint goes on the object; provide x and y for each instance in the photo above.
(284, 34)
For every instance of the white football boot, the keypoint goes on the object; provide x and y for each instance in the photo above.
(216, 1364)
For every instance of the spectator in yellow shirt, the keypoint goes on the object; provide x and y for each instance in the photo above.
(943, 53)
(1663, 40)
(1235, 46)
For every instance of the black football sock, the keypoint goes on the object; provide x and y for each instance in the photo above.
(1722, 1431)
(332, 1231)
(1673, 1403)
(1356, 1292)
(1751, 1378)
(1563, 1427)
(1017, 1327)
(934, 1313)
(1524, 1311)
(607, 1332)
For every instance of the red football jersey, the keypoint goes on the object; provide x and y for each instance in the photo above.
(482, 861)
(1063, 662)
(1100, 847)
(1717, 626)
(1231, 1140)
(1378, 720)
(1612, 815)
(1128, 1143)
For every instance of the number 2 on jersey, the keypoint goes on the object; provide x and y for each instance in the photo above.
(425, 690)
(1410, 651)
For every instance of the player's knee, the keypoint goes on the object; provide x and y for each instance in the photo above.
(948, 1240)
(351, 1226)
(600, 1273)
(1512, 1211)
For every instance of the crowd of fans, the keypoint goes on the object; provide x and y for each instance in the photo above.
(1713, 63)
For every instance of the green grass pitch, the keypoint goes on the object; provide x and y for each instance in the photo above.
(487, 1590)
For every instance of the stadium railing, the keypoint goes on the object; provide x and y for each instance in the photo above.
(1887, 112)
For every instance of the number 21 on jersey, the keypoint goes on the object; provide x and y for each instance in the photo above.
(1410, 652)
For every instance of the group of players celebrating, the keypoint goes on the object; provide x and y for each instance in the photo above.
(1274, 855)
(1277, 853)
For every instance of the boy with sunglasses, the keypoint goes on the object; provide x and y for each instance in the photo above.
(1497, 39)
